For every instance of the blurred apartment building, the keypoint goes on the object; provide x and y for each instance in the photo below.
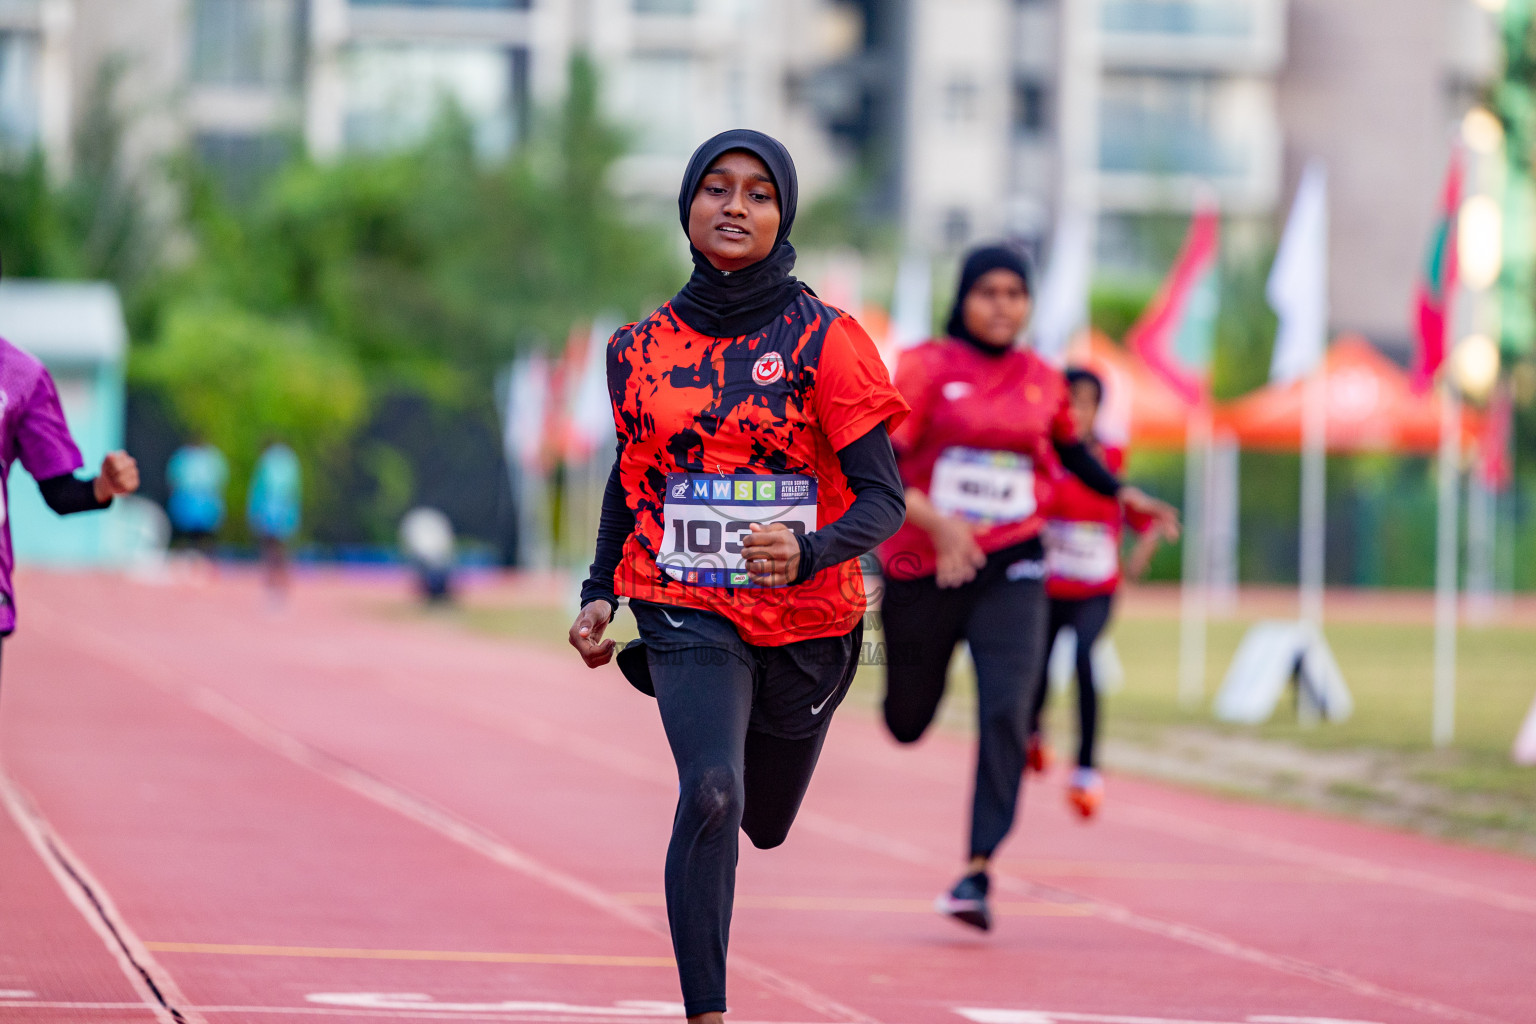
(240, 81)
(968, 119)
(1019, 110)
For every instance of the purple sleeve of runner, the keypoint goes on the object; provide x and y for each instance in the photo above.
(42, 437)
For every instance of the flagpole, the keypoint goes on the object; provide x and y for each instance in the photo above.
(1314, 493)
(1444, 727)
(1193, 609)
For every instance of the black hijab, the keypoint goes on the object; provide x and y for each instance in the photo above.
(727, 304)
(978, 262)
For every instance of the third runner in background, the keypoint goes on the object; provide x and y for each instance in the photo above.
(1082, 560)
(989, 421)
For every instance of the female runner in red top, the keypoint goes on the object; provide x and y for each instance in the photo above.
(987, 420)
(1082, 564)
(754, 468)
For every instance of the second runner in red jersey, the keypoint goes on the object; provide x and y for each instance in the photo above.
(990, 421)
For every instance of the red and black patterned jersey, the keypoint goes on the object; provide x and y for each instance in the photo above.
(961, 398)
(777, 402)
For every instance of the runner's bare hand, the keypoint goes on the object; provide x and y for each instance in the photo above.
(119, 475)
(772, 554)
(960, 558)
(1164, 514)
(587, 634)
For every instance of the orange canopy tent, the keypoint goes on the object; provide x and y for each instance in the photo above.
(1371, 408)
(1140, 409)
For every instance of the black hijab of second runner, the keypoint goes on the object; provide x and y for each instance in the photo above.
(721, 304)
(977, 263)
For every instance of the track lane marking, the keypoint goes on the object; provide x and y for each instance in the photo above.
(426, 812)
(90, 898)
(869, 904)
(430, 955)
(614, 757)
(624, 761)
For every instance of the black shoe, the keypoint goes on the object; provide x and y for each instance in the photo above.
(967, 902)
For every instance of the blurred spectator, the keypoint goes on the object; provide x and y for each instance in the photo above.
(273, 511)
(197, 475)
(426, 541)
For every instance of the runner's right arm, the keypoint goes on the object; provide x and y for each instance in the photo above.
(614, 525)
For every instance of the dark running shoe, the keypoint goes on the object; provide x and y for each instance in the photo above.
(967, 902)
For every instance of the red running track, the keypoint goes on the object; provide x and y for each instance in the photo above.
(214, 812)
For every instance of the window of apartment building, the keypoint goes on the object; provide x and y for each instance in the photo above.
(957, 227)
(504, 5)
(1164, 124)
(658, 97)
(396, 91)
(18, 91)
(246, 42)
(663, 6)
(1029, 108)
(961, 97)
(1178, 17)
(239, 161)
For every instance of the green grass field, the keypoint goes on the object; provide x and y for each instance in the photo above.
(1380, 764)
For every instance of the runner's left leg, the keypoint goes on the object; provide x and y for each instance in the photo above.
(705, 698)
(1088, 619)
(1006, 632)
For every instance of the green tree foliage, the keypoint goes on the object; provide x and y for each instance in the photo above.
(382, 275)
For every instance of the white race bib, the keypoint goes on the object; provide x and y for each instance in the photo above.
(709, 516)
(1080, 552)
(982, 486)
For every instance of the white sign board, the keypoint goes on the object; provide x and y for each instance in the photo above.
(1272, 656)
(1525, 742)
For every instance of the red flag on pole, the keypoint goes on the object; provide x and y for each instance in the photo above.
(1435, 288)
(1175, 333)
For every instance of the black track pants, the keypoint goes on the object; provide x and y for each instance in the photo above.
(1001, 615)
(1087, 617)
(722, 705)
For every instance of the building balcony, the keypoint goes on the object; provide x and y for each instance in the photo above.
(1230, 36)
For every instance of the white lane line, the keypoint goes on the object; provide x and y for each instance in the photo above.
(449, 825)
(351, 1013)
(425, 812)
(1347, 865)
(992, 1016)
(147, 977)
(616, 758)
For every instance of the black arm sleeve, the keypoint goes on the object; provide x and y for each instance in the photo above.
(879, 506)
(614, 526)
(66, 494)
(1079, 461)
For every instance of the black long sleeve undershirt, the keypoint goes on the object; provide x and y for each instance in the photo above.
(1079, 461)
(879, 506)
(68, 494)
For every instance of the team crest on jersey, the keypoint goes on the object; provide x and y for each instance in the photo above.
(768, 369)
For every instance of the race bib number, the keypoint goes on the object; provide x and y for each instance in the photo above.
(1080, 552)
(709, 517)
(983, 487)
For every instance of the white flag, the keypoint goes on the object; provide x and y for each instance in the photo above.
(1298, 283)
(912, 307)
(589, 415)
(527, 405)
(1063, 304)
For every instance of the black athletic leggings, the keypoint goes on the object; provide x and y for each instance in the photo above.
(1001, 615)
(1087, 617)
(730, 776)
